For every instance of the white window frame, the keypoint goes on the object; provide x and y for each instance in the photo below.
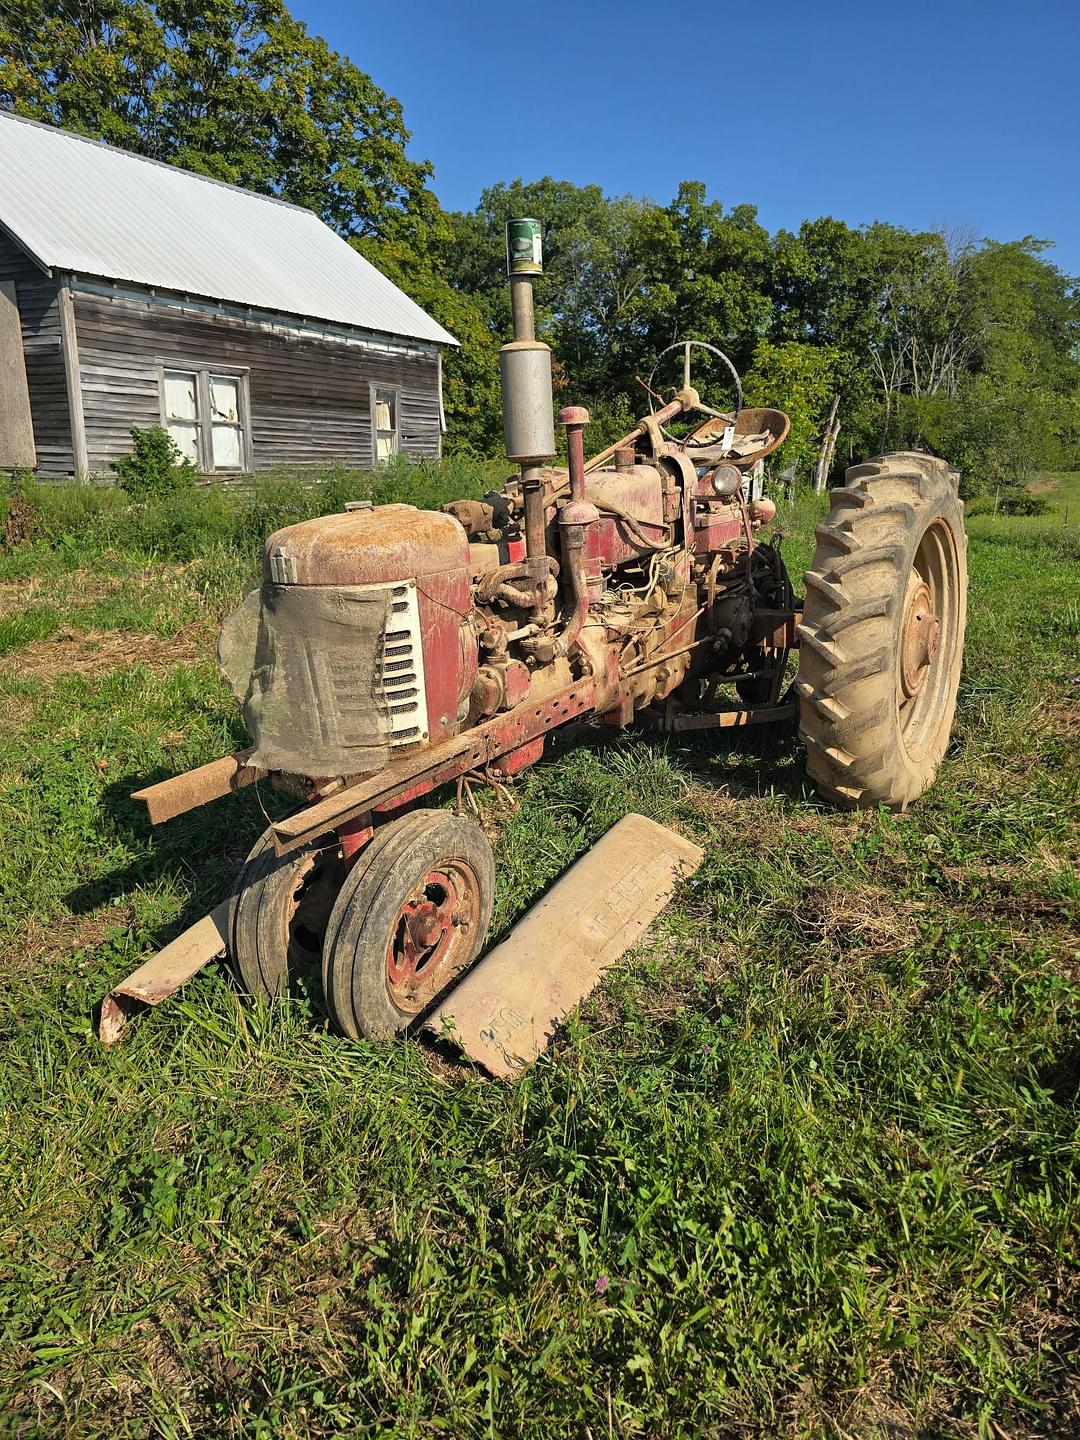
(204, 424)
(394, 392)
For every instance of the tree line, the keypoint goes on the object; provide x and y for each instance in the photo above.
(938, 340)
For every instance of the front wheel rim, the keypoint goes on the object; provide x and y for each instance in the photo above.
(432, 936)
(307, 907)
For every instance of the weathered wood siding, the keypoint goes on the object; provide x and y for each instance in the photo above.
(309, 395)
(39, 315)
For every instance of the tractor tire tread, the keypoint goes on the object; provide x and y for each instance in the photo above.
(847, 687)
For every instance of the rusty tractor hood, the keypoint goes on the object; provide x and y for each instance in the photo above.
(381, 544)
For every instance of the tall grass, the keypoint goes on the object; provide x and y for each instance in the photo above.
(71, 521)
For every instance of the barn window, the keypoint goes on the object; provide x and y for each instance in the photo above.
(205, 412)
(226, 432)
(182, 412)
(384, 424)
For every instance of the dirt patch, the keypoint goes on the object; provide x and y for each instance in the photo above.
(79, 587)
(1063, 716)
(73, 652)
(16, 712)
(44, 942)
(1039, 487)
(18, 594)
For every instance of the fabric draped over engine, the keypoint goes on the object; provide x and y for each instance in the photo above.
(303, 661)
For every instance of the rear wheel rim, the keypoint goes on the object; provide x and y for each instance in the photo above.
(928, 634)
(432, 936)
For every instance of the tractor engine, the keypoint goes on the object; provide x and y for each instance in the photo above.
(381, 632)
(385, 628)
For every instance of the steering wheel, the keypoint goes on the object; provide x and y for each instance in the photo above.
(690, 397)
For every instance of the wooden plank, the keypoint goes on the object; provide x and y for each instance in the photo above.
(17, 449)
(508, 1007)
(70, 345)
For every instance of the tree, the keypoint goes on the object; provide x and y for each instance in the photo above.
(801, 379)
(930, 340)
(236, 89)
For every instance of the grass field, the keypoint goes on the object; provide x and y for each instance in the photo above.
(807, 1165)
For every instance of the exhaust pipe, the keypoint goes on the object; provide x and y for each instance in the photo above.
(525, 373)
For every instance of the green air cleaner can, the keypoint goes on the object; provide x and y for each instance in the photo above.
(524, 253)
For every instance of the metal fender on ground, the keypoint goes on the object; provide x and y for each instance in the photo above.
(506, 1010)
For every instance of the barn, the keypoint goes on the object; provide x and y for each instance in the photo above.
(134, 293)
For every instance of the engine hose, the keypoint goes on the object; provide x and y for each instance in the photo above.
(526, 599)
(630, 522)
(496, 583)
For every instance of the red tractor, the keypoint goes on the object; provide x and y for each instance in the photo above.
(391, 651)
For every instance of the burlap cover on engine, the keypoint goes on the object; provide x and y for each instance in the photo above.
(302, 661)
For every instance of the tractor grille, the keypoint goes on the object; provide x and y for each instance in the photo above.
(399, 672)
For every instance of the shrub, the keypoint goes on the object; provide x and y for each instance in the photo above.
(20, 521)
(1008, 502)
(1023, 502)
(155, 467)
(74, 520)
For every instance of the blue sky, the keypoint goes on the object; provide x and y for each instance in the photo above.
(957, 113)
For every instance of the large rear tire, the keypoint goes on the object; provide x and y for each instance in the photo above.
(882, 633)
(410, 917)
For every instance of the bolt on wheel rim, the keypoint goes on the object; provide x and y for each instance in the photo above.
(433, 935)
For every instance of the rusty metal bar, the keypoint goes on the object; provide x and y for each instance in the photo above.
(164, 973)
(431, 768)
(521, 307)
(170, 798)
(776, 629)
(727, 719)
(669, 412)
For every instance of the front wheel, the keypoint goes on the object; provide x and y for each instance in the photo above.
(279, 911)
(882, 633)
(410, 917)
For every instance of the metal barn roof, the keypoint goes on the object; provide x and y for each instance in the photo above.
(80, 206)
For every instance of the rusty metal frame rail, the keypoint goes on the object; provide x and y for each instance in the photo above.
(169, 798)
(731, 719)
(426, 771)
(164, 973)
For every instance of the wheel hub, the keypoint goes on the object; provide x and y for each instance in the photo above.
(424, 942)
(308, 909)
(921, 635)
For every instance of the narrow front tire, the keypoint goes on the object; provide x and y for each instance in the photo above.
(410, 918)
